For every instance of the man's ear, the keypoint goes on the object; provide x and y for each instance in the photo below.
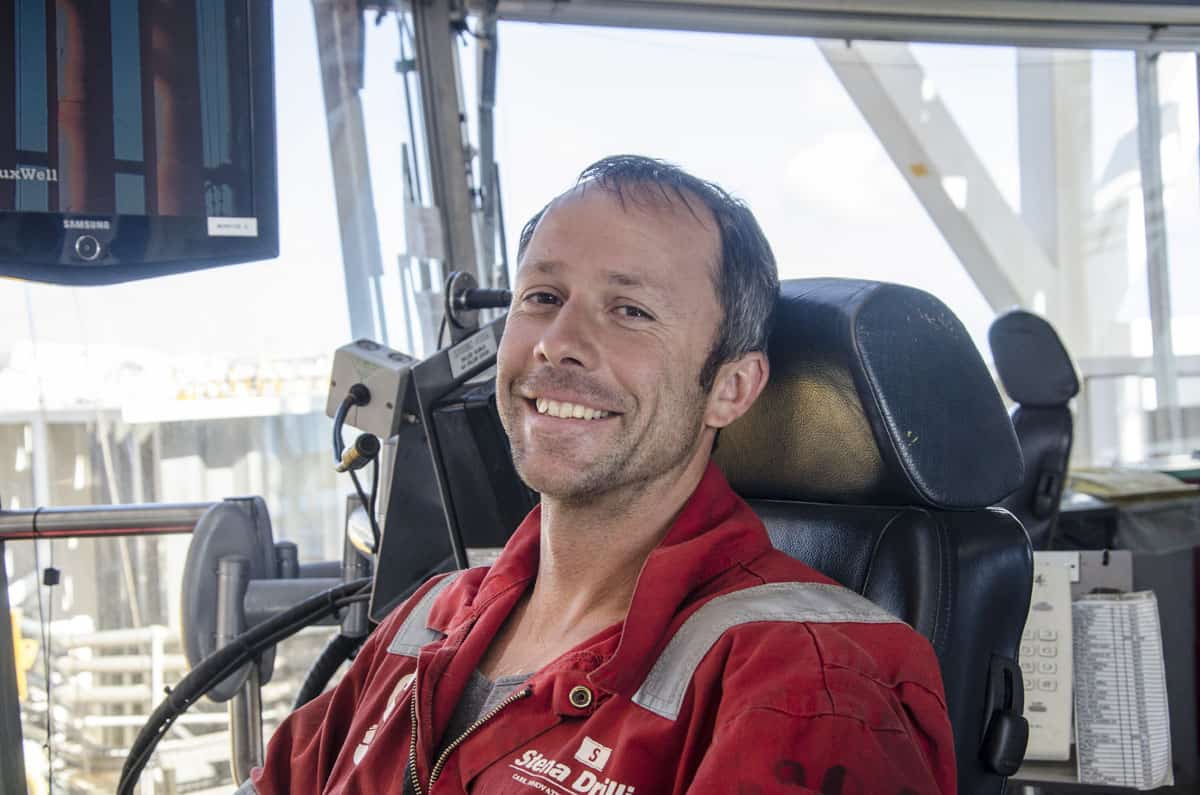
(737, 385)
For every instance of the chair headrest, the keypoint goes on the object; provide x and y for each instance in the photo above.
(1031, 361)
(877, 396)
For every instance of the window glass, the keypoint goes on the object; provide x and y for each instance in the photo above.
(200, 386)
(764, 117)
(185, 388)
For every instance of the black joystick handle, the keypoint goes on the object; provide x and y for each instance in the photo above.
(482, 298)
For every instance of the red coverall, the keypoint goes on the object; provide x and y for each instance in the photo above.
(842, 701)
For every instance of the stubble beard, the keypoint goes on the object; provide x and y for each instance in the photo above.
(628, 467)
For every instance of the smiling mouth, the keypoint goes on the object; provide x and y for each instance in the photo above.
(568, 411)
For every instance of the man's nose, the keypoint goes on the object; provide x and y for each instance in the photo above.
(568, 339)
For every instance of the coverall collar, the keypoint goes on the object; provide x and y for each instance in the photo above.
(714, 532)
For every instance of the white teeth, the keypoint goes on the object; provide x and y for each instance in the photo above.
(568, 411)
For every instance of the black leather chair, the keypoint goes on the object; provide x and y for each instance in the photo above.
(1037, 374)
(873, 456)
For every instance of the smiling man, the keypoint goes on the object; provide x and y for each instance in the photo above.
(638, 635)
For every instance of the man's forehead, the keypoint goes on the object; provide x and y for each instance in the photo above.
(646, 197)
(629, 225)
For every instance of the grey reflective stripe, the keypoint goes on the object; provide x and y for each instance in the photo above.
(413, 634)
(663, 690)
(247, 788)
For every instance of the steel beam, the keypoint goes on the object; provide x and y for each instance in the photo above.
(939, 164)
(1086, 25)
(1054, 114)
(489, 187)
(1166, 379)
(445, 130)
(340, 50)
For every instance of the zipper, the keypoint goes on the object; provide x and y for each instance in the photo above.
(441, 760)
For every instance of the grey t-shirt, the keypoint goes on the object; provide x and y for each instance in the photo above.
(480, 696)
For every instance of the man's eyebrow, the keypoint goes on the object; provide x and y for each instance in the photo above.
(623, 279)
(615, 278)
(662, 298)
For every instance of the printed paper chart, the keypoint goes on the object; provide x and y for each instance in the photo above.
(1122, 728)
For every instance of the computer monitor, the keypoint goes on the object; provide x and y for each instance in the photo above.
(137, 138)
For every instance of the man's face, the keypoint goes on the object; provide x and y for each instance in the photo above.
(613, 316)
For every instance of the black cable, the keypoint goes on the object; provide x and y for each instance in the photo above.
(339, 649)
(500, 227)
(225, 661)
(214, 669)
(358, 395)
(339, 419)
(366, 503)
(374, 498)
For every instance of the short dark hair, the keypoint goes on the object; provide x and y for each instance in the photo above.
(746, 279)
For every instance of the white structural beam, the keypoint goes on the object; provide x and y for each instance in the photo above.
(1054, 127)
(1054, 113)
(1034, 23)
(339, 29)
(939, 164)
(1158, 274)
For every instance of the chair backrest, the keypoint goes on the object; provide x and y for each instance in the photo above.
(1037, 374)
(873, 455)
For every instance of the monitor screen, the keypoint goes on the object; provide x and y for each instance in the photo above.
(136, 137)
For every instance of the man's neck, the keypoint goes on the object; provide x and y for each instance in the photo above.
(589, 560)
(592, 553)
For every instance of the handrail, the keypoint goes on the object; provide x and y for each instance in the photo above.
(101, 521)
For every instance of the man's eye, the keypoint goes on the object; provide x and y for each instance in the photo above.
(634, 312)
(547, 299)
